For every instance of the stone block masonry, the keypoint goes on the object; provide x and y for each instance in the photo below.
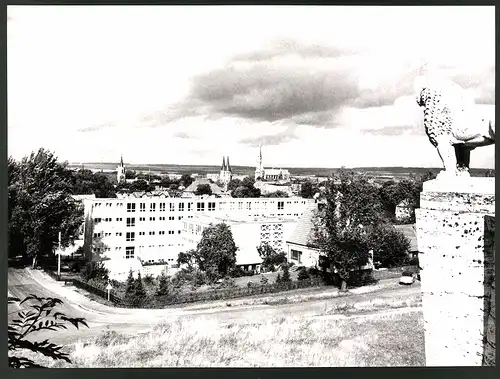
(454, 226)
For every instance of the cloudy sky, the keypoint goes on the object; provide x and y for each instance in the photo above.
(316, 86)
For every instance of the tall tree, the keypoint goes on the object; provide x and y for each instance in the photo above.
(41, 206)
(216, 251)
(390, 246)
(339, 231)
(186, 180)
(307, 190)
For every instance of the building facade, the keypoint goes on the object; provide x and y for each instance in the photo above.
(269, 174)
(151, 228)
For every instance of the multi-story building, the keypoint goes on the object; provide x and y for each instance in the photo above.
(150, 228)
(248, 233)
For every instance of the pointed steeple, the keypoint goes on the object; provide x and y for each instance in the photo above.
(228, 165)
(121, 161)
(223, 168)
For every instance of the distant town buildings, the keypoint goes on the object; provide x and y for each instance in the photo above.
(269, 174)
(405, 210)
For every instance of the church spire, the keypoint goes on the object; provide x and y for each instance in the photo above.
(223, 168)
(121, 161)
(228, 165)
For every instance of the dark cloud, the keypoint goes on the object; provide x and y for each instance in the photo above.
(95, 128)
(265, 93)
(311, 90)
(271, 139)
(395, 130)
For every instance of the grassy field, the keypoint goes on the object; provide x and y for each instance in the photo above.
(347, 335)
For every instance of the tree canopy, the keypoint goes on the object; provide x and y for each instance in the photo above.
(41, 205)
(203, 189)
(339, 232)
(215, 254)
(244, 188)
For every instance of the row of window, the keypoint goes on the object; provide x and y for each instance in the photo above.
(131, 207)
(200, 206)
(132, 234)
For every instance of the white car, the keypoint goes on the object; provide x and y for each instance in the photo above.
(406, 278)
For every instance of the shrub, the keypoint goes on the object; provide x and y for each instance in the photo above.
(313, 272)
(286, 274)
(278, 278)
(164, 285)
(95, 270)
(149, 280)
(263, 280)
(303, 275)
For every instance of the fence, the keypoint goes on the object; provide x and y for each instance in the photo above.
(101, 292)
(192, 297)
(231, 293)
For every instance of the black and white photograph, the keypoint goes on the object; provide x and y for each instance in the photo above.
(250, 186)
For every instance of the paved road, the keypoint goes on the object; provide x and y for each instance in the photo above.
(23, 282)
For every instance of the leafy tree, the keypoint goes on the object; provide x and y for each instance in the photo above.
(216, 252)
(277, 194)
(390, 246)
(186, 180)
(165, 182)
(130, 174)
(286, 274)
(41, 206)
(339, 231)
(203, 189)
(187, 258)
(263, 280)
(140, 185)
(245, 188)
(39, 317)
(85, 182)
(303, 274)
(308, 190)
(270, 258)
(233, 184)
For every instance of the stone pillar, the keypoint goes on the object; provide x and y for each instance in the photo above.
(456, 269)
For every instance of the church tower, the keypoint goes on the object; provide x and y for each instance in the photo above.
(259, 168)
(120, 172)
(226, 174)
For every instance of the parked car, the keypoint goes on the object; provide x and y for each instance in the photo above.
(406, 278)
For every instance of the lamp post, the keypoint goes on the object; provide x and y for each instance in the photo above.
(59, 259)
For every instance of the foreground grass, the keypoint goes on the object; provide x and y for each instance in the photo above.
(393, 339)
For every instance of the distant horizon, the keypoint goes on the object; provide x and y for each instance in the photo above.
(270, 166)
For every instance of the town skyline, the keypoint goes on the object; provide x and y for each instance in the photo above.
(324, 95)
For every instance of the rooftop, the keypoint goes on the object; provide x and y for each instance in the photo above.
(214, 187)
(304, 227)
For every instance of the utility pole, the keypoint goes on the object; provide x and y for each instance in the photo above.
(59, 258)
